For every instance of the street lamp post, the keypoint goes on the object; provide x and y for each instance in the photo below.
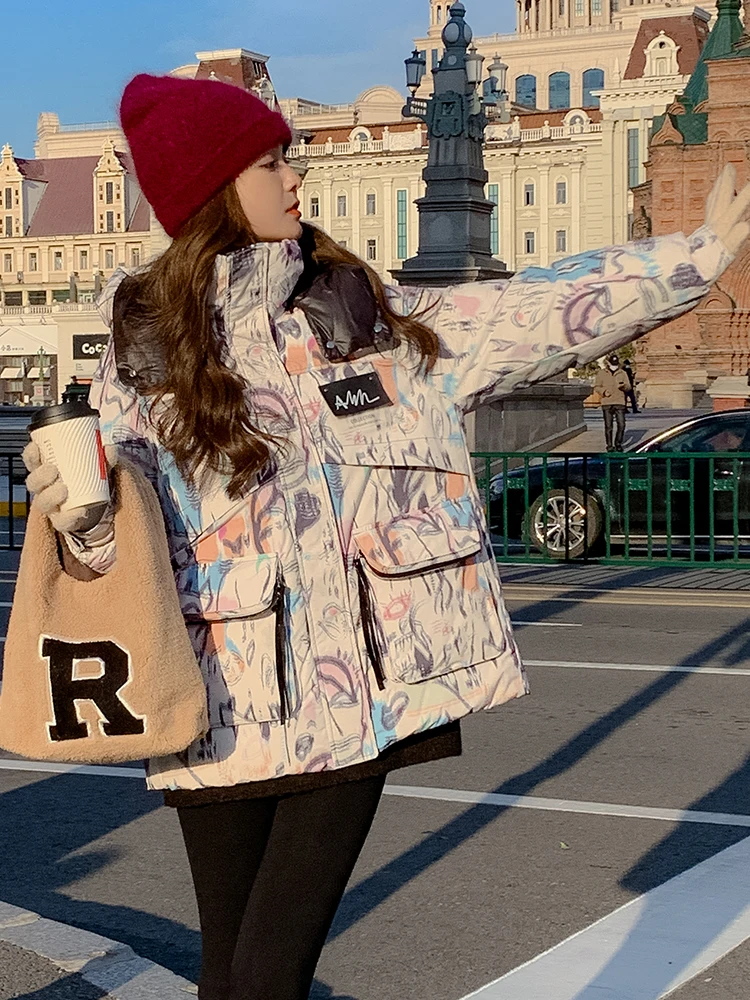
(454, 215)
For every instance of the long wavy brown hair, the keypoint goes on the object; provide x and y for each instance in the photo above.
(203, 415)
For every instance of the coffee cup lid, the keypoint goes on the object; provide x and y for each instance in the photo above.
(63, 411)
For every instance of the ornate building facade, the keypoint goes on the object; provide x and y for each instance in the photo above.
(705, 128)
(561, 178)
(562, 51)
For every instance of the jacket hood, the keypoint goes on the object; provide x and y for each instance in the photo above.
(268, 272)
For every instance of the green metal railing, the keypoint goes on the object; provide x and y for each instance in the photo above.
(656, 509)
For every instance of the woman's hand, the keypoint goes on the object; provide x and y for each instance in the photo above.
(726, 210)
(50, 492)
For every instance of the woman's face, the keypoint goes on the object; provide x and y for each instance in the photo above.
(267, 190)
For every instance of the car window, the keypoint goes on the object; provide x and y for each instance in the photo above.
(718, 436)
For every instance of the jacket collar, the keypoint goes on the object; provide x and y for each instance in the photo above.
(264, 273)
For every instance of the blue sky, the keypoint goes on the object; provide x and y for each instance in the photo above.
(78, 55)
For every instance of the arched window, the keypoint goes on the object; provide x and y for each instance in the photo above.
(440, 15)
(526, 90)
(593, 79)
(559, 91)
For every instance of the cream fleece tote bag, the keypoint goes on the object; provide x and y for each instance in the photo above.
(102, 671)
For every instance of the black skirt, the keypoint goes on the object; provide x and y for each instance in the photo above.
(435, 744)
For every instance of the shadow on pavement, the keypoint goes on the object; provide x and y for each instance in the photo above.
(43, 867)
(677, 852)
(69, 988)
(733, 648)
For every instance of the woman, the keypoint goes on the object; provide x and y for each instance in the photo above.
(303, 428)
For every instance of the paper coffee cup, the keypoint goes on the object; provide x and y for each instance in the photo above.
(69, 437)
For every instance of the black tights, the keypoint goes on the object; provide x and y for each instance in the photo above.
(269, 875)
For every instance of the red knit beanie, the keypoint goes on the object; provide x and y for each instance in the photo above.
(189, 138)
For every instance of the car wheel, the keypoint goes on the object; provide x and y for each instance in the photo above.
(559, 532)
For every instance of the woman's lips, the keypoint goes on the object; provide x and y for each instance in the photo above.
(295, 212)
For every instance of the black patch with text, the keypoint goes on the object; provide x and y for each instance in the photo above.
(355, 395)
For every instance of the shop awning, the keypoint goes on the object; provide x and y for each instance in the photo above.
(34, 373)
(11, 373)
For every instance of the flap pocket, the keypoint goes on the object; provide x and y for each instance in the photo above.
(422, 538)
(227, 589)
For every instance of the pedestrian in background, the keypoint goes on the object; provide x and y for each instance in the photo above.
(630, 395)
(303, 427)
(612, 385)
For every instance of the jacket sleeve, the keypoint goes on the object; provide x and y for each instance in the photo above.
(123, 419)
(496, 337)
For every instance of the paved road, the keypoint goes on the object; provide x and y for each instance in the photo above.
(452, 892)
(639, 428)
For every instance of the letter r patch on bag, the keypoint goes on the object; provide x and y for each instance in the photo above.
(355, 395)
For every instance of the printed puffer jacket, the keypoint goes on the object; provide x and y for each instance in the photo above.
(351, 598)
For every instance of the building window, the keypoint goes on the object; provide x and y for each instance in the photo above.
(8, 225)
(561, 8)
(634, 157)
(561, 193)
(9, 197)
(7, 262)
(402, 225)
(110, 192)
(596, 8)
(493, 195)
(528, 193)
(440, 15)
(435, 58)
(57, 260)
(110, 222)
(61, 295)
(33, 262)
(559, 91)
(109, 260)
(526, 90)
(578, 9)
(37, 298)
(315, 207)
(135, 257)
(372, 250)
(341, 206)
(529, 242)
(84, 260)
(561, 241)
(593, 79)
(14, 298)
(372, 205)
(343, 243)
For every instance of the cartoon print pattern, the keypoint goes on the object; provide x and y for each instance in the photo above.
(391, 486)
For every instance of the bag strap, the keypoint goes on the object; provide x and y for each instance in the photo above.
(139, 535)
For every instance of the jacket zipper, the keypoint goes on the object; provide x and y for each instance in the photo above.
(280, 610)
(370, 625)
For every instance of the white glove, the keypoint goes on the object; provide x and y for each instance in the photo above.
(726, 210)
(50, 492)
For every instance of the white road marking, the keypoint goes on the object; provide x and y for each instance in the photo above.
(642, 667)
(48, 767)
(549, 624)
(569, 806)
(443, 795)
(648, 948)
(634, 596)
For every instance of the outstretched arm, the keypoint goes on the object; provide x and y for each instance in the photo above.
(498, 337)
